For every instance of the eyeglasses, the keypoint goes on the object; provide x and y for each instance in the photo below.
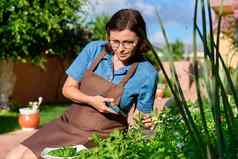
(125, 44)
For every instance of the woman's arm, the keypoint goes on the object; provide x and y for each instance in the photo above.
(72, 92)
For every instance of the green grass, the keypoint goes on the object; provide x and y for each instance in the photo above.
(9, 120)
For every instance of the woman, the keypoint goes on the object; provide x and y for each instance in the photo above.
(103, 82)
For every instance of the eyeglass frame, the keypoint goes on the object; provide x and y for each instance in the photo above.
(122, 43)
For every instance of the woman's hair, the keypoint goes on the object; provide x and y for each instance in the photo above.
(132, 20)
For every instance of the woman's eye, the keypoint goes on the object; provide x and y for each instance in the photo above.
(128, 42)
(115, 41)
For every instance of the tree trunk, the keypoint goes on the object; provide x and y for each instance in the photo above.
(7, 82)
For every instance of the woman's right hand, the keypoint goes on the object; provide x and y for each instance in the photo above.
(71, 91)
(98, 102)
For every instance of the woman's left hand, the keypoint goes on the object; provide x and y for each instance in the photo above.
(148, 122)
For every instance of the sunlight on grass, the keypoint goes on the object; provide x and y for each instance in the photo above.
(51, 112)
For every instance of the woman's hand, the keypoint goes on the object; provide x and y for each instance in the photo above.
(98, 102)
(148, 122)
(71, 91)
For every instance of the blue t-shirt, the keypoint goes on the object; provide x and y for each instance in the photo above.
(140, 87)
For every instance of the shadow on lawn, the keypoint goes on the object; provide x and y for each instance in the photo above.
(8, 123)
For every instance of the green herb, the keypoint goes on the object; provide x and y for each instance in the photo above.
(64, 152)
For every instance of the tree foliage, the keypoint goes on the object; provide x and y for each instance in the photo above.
(176, 50)
(30, 28)
(98, 27)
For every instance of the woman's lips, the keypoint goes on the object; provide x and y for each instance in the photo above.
(123, 55)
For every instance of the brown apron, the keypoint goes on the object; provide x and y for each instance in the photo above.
(80, 121)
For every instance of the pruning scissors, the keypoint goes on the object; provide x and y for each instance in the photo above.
(115, 108)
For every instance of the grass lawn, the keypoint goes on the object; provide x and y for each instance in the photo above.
(9, 120)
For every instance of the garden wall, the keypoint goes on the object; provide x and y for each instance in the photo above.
(32, 81)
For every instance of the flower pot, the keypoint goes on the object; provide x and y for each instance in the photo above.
(159, 93)
(227, 6)
(28, 119)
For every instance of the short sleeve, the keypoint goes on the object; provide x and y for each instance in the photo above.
(80, 64)
(145, 100)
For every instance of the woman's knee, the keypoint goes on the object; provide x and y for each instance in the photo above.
(28, 154)
(21, 152)
(16, 153)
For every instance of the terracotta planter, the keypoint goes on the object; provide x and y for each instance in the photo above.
(227, 6)
(29, 120)
(159, 93)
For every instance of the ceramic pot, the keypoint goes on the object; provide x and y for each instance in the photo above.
(159, 93)
(29, 120)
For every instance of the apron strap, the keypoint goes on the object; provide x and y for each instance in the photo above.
(129, 74)
(98, 59)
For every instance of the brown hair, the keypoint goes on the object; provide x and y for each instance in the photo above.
(132, 20)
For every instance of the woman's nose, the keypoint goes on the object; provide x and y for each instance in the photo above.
(120, 48)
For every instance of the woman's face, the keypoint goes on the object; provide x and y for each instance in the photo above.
(123, 44)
